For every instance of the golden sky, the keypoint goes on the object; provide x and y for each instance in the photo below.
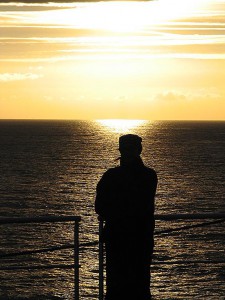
(157, 60)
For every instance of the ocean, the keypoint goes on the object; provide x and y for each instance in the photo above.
(52, 168)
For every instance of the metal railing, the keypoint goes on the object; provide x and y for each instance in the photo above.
(217, 217)
(214, 217)
(50, 219)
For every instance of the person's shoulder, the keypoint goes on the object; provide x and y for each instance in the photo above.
(150, 171)
(112, 171)
(109, 176)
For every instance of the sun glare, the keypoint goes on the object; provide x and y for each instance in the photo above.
(121, 125)
(122, 16)
(116, 16)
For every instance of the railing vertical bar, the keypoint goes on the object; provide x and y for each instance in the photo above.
(101, 262)
(76, 260)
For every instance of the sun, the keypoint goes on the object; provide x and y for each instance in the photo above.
(121, 16)
(117, 16)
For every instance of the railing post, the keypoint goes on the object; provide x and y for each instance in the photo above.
(76, 260)
(101, 261)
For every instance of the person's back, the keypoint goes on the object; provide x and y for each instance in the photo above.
(125, 200)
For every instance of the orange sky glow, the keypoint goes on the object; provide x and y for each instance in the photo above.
(151, 60)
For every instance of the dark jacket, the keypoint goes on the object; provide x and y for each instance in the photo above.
(125, 200)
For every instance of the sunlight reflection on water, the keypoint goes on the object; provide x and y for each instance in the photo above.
(121, 125)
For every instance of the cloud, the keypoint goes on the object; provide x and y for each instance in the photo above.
(57, 1)
(203, 94)
(36, 1)
(5, 77)
(67, 34)
(34, 6)
(171, 96)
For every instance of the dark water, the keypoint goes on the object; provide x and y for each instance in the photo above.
(52, 167)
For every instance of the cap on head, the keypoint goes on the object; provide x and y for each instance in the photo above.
(130, 142)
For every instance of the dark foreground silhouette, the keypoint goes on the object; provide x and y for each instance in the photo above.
(125, 200)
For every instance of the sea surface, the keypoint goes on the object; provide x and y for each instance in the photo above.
(52, 168)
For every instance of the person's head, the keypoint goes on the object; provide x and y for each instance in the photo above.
(130, 146)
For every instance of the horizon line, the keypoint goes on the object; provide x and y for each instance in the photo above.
(112, 119)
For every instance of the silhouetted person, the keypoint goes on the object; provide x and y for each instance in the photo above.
(125, 200)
